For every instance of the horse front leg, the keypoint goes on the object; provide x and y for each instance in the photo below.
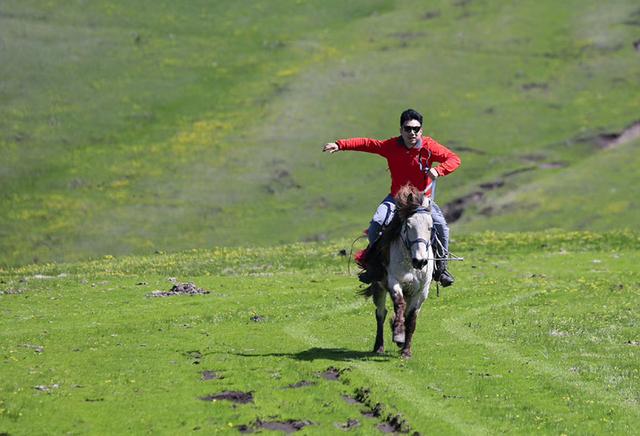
(397, 324)
(379, 299)
(410, 328)
(413, 309)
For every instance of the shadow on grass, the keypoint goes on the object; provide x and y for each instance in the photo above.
(317, 353)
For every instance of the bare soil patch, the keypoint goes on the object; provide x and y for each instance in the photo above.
(281, 180)
(430, 15)
(462, 148)
(233, 396)
(288, 426)
(180, 289)
(332, 373)
(395, 424)
(390, 423)
(350, 424)
(211, 375)
(195, 355)
(533, 86)
(454, 209)
(351, 400)
(612, 140)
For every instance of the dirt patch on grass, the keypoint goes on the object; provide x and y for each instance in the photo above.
(195, 356)
(211, 375)
(430, 15)
(351, 400)
(180, 289)
(389, 423)
(332, 373)
(461, 148)
(11, 292)
(373, 412)
(350, 424)
(394, 424)
(288, 426)
(281, 180)
(233, 396)
(535, 86)
(552, 165)
(454, 210)
(612, 140)
(407, 36)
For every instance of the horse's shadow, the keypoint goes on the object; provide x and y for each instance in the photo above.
(319, 353)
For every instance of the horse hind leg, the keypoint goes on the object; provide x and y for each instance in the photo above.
(379, 299)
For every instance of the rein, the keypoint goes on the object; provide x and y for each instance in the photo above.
(424, 169)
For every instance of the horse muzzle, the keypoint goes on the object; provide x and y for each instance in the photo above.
(419, 263)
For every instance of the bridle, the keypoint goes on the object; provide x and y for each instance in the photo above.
(408, 243)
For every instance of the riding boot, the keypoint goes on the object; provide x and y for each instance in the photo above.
(442, 275)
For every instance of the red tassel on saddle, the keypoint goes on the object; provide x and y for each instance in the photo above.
(361, 258)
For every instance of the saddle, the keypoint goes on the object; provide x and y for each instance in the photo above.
(372, 261)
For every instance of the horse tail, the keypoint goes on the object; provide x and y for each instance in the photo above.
(367, 292)
(370, 290)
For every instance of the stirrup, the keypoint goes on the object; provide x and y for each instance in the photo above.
(446, 279)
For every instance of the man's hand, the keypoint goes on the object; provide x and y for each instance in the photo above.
(331, 147)
(433, 174)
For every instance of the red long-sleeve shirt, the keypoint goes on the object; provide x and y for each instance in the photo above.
(403, 162)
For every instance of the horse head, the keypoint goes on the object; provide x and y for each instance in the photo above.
(416, 233)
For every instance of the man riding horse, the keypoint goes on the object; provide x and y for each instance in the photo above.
(410, 157)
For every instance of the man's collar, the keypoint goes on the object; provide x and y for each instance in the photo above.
(417, 146)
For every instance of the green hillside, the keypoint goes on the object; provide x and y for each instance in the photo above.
(160, 126)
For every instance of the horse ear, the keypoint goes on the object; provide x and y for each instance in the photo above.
(426, 203)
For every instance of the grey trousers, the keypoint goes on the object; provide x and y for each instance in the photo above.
(384, 215)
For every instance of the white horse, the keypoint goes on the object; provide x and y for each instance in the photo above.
(409, 262)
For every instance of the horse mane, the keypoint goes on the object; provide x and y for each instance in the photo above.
(408, 200)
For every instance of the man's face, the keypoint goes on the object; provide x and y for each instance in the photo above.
(411, 131)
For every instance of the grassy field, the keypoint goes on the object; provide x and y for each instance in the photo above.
(539, 335)
(152, 142)
(130, 128)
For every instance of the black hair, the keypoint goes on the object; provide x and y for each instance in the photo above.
(410, 114)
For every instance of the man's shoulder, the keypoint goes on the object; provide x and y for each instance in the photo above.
(428, 141)
(395, 141)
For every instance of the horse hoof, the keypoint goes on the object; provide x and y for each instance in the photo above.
(379, 350)
(399, 339)
(406, 354)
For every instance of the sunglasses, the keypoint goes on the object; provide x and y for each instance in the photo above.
(414, 129)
